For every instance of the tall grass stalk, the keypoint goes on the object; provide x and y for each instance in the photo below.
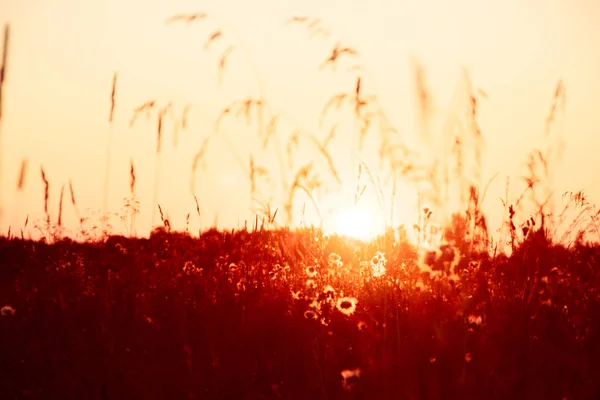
(109, 144)
(3, 69)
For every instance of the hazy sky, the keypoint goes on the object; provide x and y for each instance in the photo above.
(63, 55)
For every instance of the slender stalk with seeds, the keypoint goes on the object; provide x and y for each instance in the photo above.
(157, 165)
(60, 205)
(46, 195)
(22, 174)
(224, 30)
(3, 69)
(109, 144)
(162, 113)
(131, 178)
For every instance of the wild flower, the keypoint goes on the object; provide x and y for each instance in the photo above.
(311, 284)
(378, 263)
(315, 305)
(475, 319)
(273, 274)
(311, 271)
(7, 311)
(346, 305)
(189, 267)
(310, 314)
(335, 260)
(329, 291)
(350, 377)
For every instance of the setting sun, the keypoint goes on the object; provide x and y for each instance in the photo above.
(355, 222)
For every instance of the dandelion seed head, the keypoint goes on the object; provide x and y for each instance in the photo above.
(346, 305)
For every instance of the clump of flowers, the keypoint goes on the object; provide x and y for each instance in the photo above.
(335, 260)
(475, 319)
(190, 268)
(378, 263)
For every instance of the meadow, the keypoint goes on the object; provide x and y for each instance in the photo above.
(278, 309)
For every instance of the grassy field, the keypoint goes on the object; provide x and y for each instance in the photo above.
(296, 315)
(271, 312)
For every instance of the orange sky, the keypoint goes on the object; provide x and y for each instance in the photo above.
(63, 55)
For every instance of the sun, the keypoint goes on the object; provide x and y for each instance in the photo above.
(355, 222)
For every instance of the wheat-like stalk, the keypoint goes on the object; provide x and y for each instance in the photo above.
(109, 143)
(3, 74)
(46, 194)
(3, 66)
(60, 205)
(131, 177)
(22, 175)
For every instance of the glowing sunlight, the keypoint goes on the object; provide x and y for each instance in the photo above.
(356, 222)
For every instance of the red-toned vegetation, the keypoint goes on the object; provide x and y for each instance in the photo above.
(257, 315)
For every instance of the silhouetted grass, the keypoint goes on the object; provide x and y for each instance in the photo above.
(274, 313)
(261, 315)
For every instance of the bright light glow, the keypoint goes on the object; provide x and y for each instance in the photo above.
(355, 222)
